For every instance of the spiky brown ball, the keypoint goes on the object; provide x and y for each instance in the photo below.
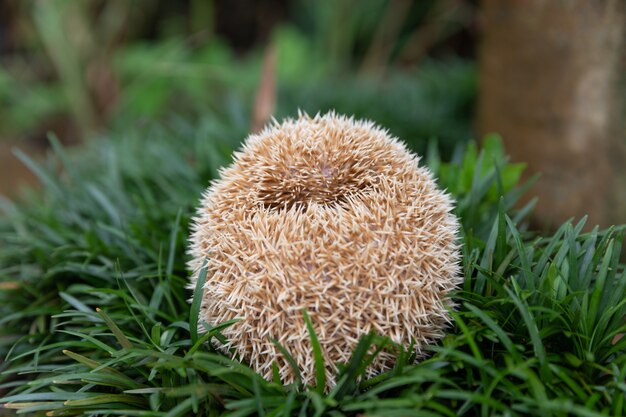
(330, 215)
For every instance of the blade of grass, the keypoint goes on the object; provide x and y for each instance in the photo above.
(290, 360)
(320, 369)
(119, 335)
(196, 303)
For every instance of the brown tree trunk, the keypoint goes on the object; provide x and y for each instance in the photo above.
(552, 75)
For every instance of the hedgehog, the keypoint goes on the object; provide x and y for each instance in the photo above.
(333, 216)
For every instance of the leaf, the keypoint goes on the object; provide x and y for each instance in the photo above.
(599, 285)
(119, 335)
(196, 303)
(290, 360)
(531, 325)
(528, 281)
(502, 336)
(320, 370)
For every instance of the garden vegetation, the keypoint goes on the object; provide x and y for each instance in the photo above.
(95, 317)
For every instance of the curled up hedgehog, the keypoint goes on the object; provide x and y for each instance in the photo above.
(332, 216)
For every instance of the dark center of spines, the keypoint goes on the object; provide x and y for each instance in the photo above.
(301, 192)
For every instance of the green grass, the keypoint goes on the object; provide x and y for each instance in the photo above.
(95, 317)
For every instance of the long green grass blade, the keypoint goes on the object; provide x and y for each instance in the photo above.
(119, 335)
(320, 368)
(194, 311)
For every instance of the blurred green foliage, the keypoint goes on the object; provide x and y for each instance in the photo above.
(435, 102)
(97, 67)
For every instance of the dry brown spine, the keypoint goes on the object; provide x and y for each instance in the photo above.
(331, 215)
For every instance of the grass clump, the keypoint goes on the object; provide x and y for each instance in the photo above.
(95, 318)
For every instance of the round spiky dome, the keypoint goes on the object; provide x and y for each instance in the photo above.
(333, 216)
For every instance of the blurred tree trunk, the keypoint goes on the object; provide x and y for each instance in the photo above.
(552, 75)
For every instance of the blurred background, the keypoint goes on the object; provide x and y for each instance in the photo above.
(548, 76)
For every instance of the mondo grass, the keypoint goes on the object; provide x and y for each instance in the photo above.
(95, 317)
